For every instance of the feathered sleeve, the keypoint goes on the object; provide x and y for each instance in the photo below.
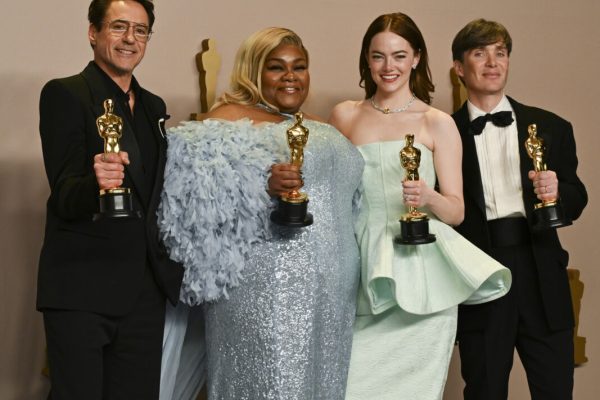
(214, 205)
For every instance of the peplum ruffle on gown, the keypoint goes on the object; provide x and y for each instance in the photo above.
(406, 324)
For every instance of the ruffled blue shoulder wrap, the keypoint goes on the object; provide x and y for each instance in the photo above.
(214, 205)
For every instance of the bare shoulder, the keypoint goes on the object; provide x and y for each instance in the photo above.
(229, 112)
(346, 108)
(343, 115)
(439, 121)
(314, 117)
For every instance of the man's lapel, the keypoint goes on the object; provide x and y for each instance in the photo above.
(524, 119)
(128, 140)
(157, 117)
(471, 173)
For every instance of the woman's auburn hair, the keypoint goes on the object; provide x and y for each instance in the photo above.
(420, 81)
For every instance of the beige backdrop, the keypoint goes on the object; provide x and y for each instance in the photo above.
(554, 66)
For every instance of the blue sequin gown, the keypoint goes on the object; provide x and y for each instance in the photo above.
(285, 331)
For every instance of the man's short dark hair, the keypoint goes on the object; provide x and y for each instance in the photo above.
(479, 33)
(97, 11)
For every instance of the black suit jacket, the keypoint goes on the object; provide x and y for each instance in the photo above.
(551, 259)
(86, 265)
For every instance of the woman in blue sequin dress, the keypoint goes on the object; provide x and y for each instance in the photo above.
(407, 307)
(279, 303)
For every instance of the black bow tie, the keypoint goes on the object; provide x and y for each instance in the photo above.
(501, 118)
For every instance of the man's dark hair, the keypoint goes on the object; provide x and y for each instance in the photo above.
(479, 33)
(97, 11)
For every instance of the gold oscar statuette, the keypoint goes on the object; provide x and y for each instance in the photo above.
(114, 202)
(548, 213)
(292, 206)
(414, 225)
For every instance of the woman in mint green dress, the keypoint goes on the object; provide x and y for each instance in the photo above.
(407, 305)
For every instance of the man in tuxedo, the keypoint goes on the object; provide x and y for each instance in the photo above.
(103, 285)
(500, 190)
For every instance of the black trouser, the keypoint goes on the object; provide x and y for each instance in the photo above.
(489, 333)
(99, 357)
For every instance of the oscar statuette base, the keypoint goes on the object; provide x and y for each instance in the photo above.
(116, 203)
(414, 232)
(292, 214)
(549, 216)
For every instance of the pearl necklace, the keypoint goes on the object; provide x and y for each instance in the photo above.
(274, 111)
(387, 110)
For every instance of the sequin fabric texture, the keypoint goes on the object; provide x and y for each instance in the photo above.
(285, 333)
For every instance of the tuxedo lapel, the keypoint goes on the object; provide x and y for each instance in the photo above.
(128, 141)
(157, 118)
(98, 91)
(135, 168)
(473, 186)
(523, 121)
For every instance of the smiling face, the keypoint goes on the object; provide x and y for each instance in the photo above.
(119, 55)
(285, 79)
(391, 59)
(484, 70)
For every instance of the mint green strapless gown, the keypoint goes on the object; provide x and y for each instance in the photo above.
(407, 304)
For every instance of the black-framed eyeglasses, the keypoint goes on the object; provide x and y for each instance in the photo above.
(120, 27)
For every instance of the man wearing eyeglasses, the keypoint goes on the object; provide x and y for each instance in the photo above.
(103, 284)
